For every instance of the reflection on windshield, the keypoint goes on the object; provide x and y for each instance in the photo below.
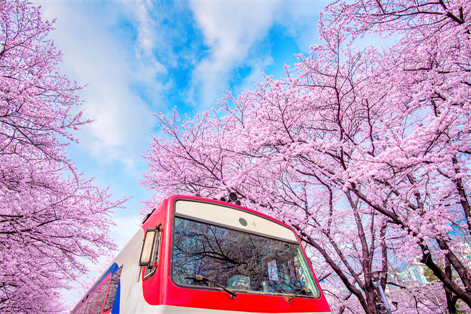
(238, 260)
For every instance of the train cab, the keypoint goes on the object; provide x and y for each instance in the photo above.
(196, 255)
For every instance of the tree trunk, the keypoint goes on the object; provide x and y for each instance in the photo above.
(450, 298)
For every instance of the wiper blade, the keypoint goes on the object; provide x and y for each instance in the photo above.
(298, 293)
(204, 279)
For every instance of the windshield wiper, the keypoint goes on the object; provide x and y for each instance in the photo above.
(298, 293)
(201, 278)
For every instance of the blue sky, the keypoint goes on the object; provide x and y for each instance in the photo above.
(142, 57)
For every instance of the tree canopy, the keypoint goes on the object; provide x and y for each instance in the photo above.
(365, 152)
(52, 218)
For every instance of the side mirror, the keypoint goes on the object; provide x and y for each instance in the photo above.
(149, 247)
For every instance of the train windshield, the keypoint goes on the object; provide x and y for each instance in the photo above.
(238, 261)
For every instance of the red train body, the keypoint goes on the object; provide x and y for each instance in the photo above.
(206, 256)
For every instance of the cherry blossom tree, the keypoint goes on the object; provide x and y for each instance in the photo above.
(431, 71)
(51, 217)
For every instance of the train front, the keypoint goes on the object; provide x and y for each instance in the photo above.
(218, 258)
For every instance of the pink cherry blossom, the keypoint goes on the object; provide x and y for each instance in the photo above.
(51, 218)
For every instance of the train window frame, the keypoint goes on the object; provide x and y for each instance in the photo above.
(102, 296)
(78, 310)
(84, 306)
(109, 305)
(94, 300)
(89, 301)
(196, 219)
(153, 263)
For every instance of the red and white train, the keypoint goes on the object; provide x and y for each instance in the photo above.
(195, 255)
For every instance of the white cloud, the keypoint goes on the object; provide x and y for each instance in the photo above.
(95, 57)
(148, 37)
(300, 20)
(113, 64)
(230, 30)
(233, 29)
